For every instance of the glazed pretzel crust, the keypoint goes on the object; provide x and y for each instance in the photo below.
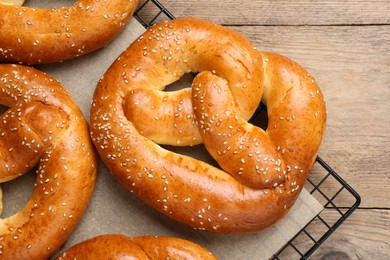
(115, 246)
(130, 114)
(31, 35)
(43, 125)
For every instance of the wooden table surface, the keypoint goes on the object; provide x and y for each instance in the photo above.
(345, 45)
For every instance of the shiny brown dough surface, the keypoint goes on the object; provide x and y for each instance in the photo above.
(39, 35)
(43, 126)
(115, 246)
(263, 171)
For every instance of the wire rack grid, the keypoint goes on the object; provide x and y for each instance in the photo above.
(338, 198)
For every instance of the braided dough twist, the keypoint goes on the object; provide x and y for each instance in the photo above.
(267, 169)
(117, 246)
(43, 125)
(37, 35)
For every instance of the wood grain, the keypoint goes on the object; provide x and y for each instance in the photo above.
(283, 12)
(365, 235)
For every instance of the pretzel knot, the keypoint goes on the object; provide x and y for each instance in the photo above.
(43, 126)
(262, 171)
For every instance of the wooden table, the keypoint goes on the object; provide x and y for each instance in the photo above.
(345, 45)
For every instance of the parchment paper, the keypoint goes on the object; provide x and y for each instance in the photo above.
(113, 209)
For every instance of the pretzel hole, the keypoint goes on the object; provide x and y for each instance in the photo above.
(260, 117)
(184, 82)
(198, 152)
(3, 109)
(17, 193)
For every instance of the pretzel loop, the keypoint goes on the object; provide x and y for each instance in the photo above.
(43, 125)
(167, 54)
(267, 169)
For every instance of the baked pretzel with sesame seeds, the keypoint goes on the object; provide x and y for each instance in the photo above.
(116, 246)
(40, 35)
(130, 114)
(43, 126)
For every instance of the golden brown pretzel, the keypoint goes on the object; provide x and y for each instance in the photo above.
(267, 169)
(31, 35)
(115, 246)
(43, 125)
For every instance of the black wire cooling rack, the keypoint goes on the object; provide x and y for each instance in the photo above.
(337, 197)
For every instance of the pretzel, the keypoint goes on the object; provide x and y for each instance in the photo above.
(116, 246)
(37, 35)
(43, 125)
(265, 170)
